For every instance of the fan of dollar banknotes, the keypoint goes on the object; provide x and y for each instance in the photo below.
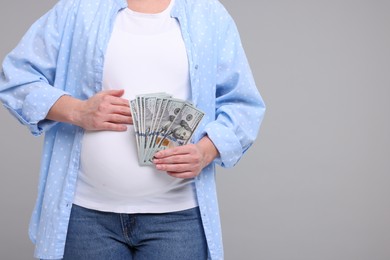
(161, 122)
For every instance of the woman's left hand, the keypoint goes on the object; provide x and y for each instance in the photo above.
(186, 161)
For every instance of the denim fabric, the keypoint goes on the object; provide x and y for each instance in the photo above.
(104, 235)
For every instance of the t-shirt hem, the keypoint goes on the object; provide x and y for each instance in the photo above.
(133, 209)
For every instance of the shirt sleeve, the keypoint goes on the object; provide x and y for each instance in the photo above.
(27, 78)
(239, 106)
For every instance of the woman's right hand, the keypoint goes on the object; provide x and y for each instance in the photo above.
(106, 110)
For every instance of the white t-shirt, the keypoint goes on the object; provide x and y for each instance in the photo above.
(145, 54)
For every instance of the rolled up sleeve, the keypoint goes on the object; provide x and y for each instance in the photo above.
(239, 106)
(28, 75)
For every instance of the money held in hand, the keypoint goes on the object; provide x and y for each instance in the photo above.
(161, 122)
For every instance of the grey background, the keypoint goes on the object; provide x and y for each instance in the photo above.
(315, 185)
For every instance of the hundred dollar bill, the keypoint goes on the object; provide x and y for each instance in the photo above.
(140, 110)
(152, 104)
(135, 116)
(161, 122)
(181, 130)
(168, 116)
(160, 106)
(145, 106)
(149, 111)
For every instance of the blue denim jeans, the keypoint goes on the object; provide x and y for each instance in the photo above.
(96, 235)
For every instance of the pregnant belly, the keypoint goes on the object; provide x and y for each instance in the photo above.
(109, 163)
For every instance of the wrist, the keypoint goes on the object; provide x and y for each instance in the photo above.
(208, 150)
(75, 111)
(66, 109)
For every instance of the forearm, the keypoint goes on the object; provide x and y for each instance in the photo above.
(65, 110)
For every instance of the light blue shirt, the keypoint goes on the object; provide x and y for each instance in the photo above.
(63, 54)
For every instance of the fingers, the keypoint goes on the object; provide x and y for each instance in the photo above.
(182, 171)
(118, 109)
(114, 92)
(113, 105)
(107, 126)
(106, 111)
(185, 149)
(176, 168)
(113, 114)
(112, 97)
(176, 159)
(179, 162)
(118, 101)
(119, 119)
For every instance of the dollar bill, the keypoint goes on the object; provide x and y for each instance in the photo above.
(135, 116)
(182, 128)
(168, 116)
(144, 106)
(151, 107)
(162, 122)
(161, 104)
